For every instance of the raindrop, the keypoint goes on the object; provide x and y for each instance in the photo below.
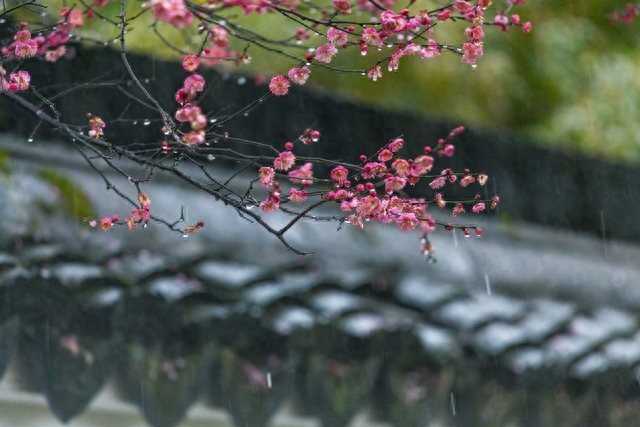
(455, 238)
(487, 284)
(389, 45)
(146, 122)
(298, 42)
(2, 21)
(474, 66)
(364, 74)
(363, 52)
(30, 140)
(269, 379)
(245, 114)
(242, 80)
(145, 225)
(135, 122)
(211, 157)
(249, 206)
(185, 235)
(213, 120)
(146, 81)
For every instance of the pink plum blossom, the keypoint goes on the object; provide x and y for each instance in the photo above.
(279, 85)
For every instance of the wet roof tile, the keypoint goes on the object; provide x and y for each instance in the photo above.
(470, 313)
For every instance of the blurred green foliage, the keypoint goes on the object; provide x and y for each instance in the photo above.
(570, 83)
(74, 201)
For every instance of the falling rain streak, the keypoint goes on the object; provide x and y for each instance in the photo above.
(604, 236)
(487, 284)
(452, 404)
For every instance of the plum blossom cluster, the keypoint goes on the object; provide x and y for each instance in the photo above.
(15, 82)
(177, 14)
(138, 216)
(189, 112)
(96, 124)
(627, 15)
(173, 12)
(383, 26)
(280, 85)
(50, 44)
(374, 189)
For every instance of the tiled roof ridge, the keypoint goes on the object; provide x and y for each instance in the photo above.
(511, 338)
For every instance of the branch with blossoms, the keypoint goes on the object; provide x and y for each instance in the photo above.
(359, 37)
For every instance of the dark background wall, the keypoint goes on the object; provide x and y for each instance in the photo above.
(535, 184)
